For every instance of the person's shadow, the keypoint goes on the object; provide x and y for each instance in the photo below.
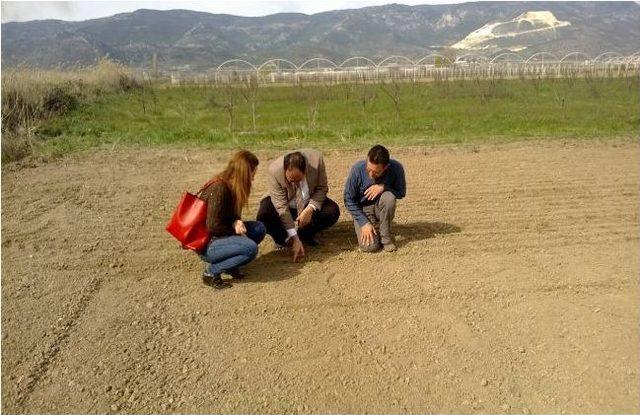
(277, 265)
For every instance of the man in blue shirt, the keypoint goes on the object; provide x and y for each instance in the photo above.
(370, 195)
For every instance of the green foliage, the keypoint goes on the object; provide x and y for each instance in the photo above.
(425, 113)
(31, 96)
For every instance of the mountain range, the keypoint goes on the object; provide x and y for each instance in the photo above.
(197, 41)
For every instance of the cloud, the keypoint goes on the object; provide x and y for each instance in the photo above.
(37, 10)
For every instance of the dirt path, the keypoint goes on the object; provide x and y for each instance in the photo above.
(515, 289)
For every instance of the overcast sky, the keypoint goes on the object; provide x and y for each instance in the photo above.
(82, 10)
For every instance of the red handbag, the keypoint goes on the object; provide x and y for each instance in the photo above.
(188, 223)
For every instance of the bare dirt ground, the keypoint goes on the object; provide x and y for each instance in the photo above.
(515, 289)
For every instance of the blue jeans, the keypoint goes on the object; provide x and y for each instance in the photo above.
(228, 252)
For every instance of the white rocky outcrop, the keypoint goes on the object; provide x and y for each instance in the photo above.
(527, 23)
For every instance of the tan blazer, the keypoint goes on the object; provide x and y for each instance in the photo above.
(283, 192)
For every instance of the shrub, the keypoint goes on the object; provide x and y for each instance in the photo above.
(58, 101)
(30, 96)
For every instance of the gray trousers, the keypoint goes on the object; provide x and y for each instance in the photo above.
(380, 215)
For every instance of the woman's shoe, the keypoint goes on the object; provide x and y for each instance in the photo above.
(215, 281)
(236, 273)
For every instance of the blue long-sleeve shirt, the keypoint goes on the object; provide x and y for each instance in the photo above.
(359, 180)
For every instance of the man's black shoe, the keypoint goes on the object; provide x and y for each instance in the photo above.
(310, 242)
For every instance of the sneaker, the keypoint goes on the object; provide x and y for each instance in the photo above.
(278, 247)
(390, 247)
(215, 281)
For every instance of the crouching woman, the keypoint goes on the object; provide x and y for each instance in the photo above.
(233, 242)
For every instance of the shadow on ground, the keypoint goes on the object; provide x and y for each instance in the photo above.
(278, 265)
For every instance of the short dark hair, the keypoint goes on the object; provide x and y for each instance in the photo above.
(378, 155)
(295, 160)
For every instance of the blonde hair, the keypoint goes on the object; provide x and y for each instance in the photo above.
(238, 175)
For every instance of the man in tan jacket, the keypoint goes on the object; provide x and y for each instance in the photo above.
(297, 206)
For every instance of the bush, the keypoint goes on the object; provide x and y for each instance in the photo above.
(58, 101)
(128, 83)
(15, 147)
(30, 96)
(17, 109)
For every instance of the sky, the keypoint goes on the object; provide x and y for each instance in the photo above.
(21, 11)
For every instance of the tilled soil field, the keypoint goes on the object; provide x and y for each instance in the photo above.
(514, 289)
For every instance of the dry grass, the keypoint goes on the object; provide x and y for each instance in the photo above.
(30, 96)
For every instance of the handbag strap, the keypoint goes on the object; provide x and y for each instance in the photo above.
(209, 183)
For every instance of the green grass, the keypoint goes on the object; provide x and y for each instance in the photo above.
(430, 113)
